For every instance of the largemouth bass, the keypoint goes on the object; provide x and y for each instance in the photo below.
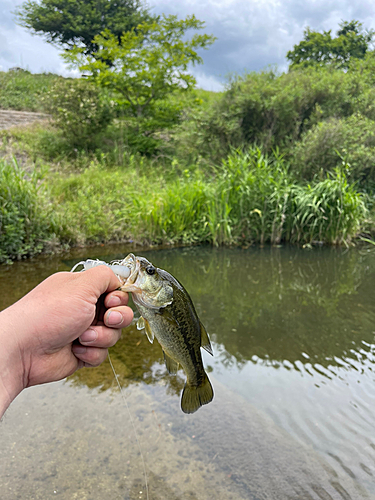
(167, 313)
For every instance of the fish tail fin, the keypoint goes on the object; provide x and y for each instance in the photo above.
(194, 396)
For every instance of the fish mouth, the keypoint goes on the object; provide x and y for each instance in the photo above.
(133, 264)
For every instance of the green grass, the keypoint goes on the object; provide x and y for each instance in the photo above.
(69, 195)
(251, 198)
(26, 218)
(23, 91)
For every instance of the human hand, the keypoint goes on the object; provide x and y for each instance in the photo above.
(66, 322)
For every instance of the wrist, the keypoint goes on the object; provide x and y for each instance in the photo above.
(11, 366)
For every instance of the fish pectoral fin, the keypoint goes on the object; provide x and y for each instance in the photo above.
(143, 323)
(205, 341)
(140, 323)
(171, 364)
(168, 315)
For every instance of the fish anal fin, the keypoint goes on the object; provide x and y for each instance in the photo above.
(171, 364)
(193, 396)
(205, 341)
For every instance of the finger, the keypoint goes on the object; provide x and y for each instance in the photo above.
(118, 317)
(91, 356)
(116, 298)
(100, 336)
(101, 279)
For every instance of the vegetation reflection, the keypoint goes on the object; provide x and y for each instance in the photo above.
(135, 360)
(272, 305)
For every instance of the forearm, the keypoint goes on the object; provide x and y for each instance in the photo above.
(11, 378)
(5, 398)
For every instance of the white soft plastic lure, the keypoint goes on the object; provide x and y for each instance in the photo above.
(117, 267)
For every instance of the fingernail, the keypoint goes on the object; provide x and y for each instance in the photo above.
(114, 318)
(114, 301)
(88, 336)
(79, 349)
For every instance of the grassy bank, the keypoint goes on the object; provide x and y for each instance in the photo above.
(250, 198)
(82, 180)
(24, 91)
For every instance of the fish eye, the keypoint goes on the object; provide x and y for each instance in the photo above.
(150, 270)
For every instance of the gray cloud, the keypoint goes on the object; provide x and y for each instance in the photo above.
(20, 48)
(251, 35)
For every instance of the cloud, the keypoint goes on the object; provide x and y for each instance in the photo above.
(207, 82)
(251, 35)
(20, 48)
(255, 34)
(6, 16)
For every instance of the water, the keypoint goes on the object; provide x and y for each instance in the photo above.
(293, 374)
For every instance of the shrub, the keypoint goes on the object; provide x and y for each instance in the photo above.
(80, 110)
(274, 110)
(329, 143)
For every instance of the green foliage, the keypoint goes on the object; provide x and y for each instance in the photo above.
(316, 48)
(330, 211)
(80, 110)
(25, 217)
(251, 199)
(330, 143)
(24, 91)
(77, 22)
(274, 110)
(144, 68)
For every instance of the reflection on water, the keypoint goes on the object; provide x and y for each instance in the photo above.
(135, 360)
(293, 336)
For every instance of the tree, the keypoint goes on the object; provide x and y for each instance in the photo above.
(145, 67)
(69, 23)
(352, 41)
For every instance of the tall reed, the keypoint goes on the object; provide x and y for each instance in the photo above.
(26, 223)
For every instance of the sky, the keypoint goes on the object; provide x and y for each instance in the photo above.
(251, 34)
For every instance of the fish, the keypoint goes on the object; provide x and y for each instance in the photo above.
(168, 313)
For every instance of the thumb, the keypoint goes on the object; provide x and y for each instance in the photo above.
(100, 279)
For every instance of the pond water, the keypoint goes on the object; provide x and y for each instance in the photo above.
(293, 415)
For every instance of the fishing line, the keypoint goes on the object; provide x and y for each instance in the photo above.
(132, 422)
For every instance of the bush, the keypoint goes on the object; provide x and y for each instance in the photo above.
(25, 220)
(274, 110)
(80, 110)
(330, 143)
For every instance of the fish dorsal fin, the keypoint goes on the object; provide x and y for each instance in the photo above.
(205, 341)
(171, 364)
(143, 323)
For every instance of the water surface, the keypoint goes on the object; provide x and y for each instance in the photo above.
(293, 374)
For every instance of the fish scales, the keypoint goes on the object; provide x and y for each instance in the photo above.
(182, 344)
(168, 313)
